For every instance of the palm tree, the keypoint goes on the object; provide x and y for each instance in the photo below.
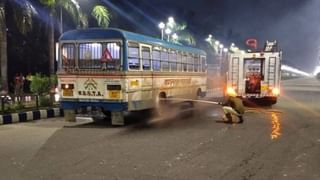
(72, 7)
(23, 14)
(185, 37)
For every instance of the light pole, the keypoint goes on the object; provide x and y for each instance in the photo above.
(161, 26)
(168, 32)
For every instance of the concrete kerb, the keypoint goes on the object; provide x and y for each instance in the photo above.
(30, 115)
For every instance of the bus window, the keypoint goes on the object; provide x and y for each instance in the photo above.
(179, 56)
(146, 59)
(164, 60)
(173, 61)
(133, 57)
(190, 63)
(184, 63)
(90, 55)
(156, 60)
(68, 55)
(111, 58)
(196, 63)
(204, 64)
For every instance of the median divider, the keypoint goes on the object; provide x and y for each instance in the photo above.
(30, 115)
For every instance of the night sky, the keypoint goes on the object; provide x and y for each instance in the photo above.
(295, 24)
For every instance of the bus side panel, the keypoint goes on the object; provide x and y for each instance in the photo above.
(140, 93)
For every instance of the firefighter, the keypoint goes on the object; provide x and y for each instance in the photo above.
(233, 109)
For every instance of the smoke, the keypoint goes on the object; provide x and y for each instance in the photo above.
(294, 24)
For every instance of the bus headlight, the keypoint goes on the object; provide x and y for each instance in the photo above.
(275, 91)
(231, 91)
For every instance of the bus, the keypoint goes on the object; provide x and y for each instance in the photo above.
(256, 76)
(120, 71)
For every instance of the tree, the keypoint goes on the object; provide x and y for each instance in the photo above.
(23, 14)
(185, 37)
(72, 7)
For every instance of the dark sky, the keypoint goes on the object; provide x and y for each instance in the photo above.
(295, 24)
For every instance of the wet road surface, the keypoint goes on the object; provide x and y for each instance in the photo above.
(282, 142)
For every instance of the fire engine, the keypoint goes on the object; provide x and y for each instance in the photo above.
(255, 75)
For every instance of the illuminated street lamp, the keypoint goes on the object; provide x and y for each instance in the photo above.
(168, 32)
(175, 36)
(171, 22)
(225, 50)
(161, 26)
(217, 43)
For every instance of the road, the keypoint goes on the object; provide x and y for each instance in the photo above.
(282, 142)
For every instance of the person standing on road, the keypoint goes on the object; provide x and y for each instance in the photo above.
(233, 109)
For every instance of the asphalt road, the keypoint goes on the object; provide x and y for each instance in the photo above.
(282, 142)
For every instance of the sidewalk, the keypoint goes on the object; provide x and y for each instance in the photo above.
(30, 115)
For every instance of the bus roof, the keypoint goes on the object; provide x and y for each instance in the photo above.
(102, 33)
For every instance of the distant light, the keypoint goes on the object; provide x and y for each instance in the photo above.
(170, 22)
(161, 25)
(217, 43)
(221, 46)
(316, 71)
(57, 51)
(210, 36)
(225, 50)
(243, 52)
(168, 31)
(171, 19)
(175, 36)
(232, 44)
(294, 70)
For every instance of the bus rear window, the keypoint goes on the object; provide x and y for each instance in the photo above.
(105, 56)
(68, 55)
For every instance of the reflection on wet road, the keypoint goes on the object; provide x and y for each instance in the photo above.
(276, 126)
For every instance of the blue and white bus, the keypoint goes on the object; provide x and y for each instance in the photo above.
(121, 71)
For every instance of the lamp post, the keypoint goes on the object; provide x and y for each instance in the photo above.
(161, 26)
(168, 32)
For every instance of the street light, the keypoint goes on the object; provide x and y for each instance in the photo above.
(225, 50)
(171, 22)
(175, 36)
(217, 43)
(161, 26)
(168, 32)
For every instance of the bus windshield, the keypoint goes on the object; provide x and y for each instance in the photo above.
(92, 55)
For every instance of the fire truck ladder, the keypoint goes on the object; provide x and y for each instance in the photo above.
(235, 72)
(271, 72)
